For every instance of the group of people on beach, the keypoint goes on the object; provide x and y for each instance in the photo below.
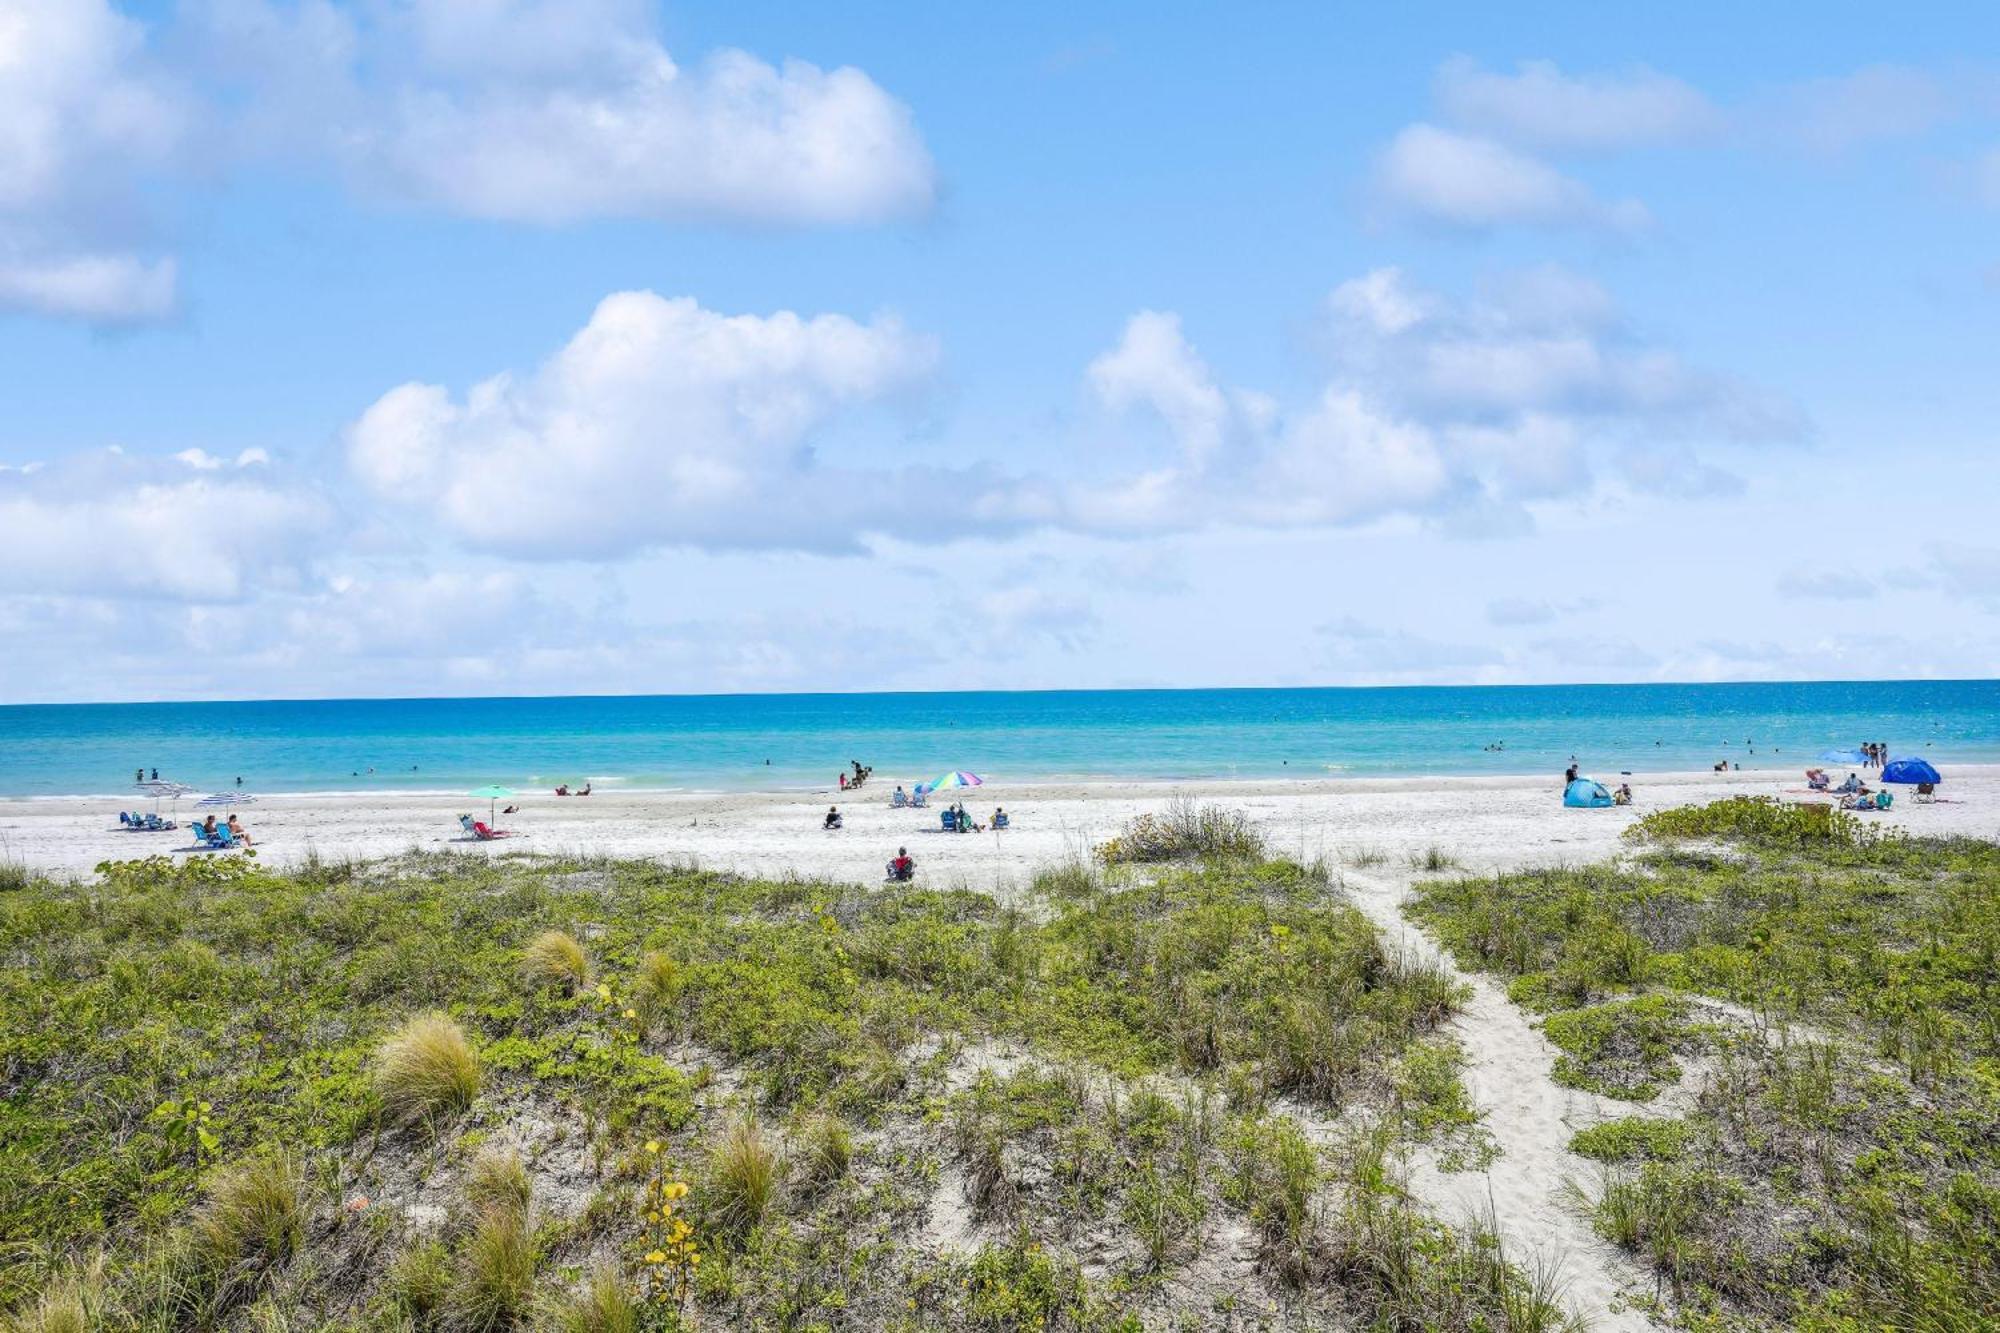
(862, 773)
(1874, 754)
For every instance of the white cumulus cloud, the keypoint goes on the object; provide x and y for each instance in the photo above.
(1540, 107)
(1458, 410)
(546, 112)
(1463, 180)
(662, 423)
(85, 120)
(108, 524)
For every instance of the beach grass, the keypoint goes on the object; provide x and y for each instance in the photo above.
(1840, 986)
(897, 1108)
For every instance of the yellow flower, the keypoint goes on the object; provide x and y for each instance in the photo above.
(677, 1190)
(652, 1145)
(631, 1013)
(656, 1258)
(603, 991)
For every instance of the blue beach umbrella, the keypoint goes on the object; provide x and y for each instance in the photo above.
(1910, 771)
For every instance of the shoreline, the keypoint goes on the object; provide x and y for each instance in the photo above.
(1483, 822)
(614, 787)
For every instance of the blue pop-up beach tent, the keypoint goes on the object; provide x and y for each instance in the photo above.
(1586, 794)
(1910, 771)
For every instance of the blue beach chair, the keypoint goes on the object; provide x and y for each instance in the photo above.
(950, 820)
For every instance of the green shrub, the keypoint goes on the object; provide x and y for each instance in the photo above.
(427, 1069)
(1762, 820)
(1632, 1139)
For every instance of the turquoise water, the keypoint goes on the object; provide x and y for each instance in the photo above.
(725, 741)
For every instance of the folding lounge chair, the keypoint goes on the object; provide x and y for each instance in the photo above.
(949, 818)
(1001, 821)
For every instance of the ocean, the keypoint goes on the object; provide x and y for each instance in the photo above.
(781, 741)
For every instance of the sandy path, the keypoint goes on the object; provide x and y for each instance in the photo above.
(1531, 1119)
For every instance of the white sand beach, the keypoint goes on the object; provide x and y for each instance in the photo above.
(1483, 823)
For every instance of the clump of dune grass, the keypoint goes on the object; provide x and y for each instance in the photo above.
(14, 876)
(745, 1169)
(1186, 831)
(498, 1179)
(656, 986)
(554, 960)
(74, 1302)
(825, 1150)
(493, 1280)
(427, 1069)
(420, 1279)
(254, 1211)
(603, 1304)
(1431, 859)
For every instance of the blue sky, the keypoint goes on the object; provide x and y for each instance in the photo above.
(497, 346)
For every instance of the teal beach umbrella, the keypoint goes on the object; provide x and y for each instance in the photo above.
(957, 778)
(490, 795)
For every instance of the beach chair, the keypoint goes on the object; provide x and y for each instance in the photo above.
(917, 801)
(949, 818)
(485, 834)
(898, 799)
(224, 838)
(1002, 821)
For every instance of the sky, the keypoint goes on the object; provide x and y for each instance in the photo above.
(448, 347)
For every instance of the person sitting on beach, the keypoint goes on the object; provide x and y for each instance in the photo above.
(208, 828)
(563, 790)
(585, 791)
(1817, 779)
(1853, 784)
(236, 831)
(902, 869)
(1000, 820)
(899, 797)
(832, 817)
(1623, 796)
(511, 810)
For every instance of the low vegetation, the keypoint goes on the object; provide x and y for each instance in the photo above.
(1188, 830)
(1836, 989)
(239, 1096)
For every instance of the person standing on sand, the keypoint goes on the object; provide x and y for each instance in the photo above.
(1569, 774)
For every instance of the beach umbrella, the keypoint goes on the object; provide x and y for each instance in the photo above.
(490, 794)
(1910, 771)
(161, 790)
(957, 778)
(223, 798)
(1843, 757)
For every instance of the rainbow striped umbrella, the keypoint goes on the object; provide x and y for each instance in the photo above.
(957, 778)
